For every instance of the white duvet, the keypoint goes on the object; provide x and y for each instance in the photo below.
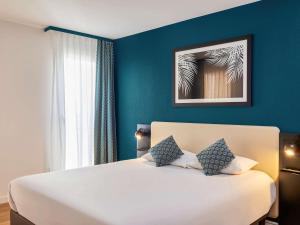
(134, 192)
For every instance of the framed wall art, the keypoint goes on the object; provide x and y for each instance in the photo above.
(217, 73)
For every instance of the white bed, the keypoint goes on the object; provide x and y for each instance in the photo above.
(135, 192)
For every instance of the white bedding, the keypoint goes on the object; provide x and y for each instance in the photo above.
(134, 192)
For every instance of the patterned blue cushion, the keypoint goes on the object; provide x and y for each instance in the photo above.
(165, 152)
(215, 158)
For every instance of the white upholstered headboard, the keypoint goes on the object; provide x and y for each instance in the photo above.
(260, 143)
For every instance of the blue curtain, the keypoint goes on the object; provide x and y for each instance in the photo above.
(105, 123)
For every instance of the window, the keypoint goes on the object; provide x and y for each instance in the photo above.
(79, 88)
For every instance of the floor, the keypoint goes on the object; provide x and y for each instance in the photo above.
(4, 214)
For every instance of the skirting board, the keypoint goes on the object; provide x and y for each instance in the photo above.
(271, 223)
(3, 199)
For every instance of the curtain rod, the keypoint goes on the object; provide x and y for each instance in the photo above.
(76, 33)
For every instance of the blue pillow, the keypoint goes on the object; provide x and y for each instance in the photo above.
(215, 158)
(165, 152)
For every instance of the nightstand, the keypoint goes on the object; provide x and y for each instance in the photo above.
(289, 180)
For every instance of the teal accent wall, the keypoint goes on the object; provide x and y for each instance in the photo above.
(144, 70)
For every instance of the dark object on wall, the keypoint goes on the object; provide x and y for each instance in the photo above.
(289, 180)
(216, 73)
(290, 152)
(143, 135)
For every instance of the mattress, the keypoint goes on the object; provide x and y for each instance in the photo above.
(135, 192)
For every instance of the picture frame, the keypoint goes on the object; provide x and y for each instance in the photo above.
(214, 74)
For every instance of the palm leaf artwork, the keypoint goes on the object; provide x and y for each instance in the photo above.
(232, 58)
(187, 71)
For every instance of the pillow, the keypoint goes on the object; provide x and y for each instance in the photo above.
(237, 166)
(194, 163)
(165, 152)
(215, 158)
(183, 161)
(148, 157)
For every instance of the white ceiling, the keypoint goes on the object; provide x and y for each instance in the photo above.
(109, 18)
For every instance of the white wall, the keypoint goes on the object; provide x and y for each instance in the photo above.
(25, 68)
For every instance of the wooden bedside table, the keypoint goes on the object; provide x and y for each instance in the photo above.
(289, 180)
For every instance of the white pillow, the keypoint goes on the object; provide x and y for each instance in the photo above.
(194, 163)
(148, 157)
(237, 166)
(181, 162)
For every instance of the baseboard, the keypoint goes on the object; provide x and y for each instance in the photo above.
(3, 199)
(271, 223)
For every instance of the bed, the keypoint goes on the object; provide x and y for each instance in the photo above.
(135, 192)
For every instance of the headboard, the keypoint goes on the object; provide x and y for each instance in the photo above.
(260, 143)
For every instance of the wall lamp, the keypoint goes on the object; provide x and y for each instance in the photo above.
(143, 139)
(290, 150)
(141, 132)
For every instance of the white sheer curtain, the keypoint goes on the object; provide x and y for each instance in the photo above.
(73, 102)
